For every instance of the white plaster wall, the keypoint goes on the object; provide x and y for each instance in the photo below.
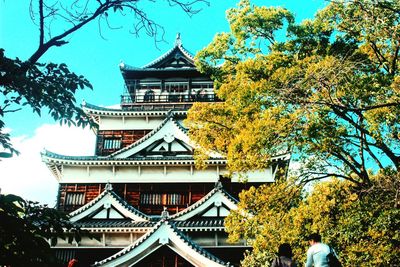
(120, 239)
(129, 123)
(156, 174)
(86, 241)
(111, 240)
(133, 174)
(259, 176)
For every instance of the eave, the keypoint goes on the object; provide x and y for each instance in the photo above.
(94, 111)
(165, 233)
(218, 194)
(59, 160)
(107, 200)
(137, 73)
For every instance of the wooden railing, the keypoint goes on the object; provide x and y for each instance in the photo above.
(170, 98)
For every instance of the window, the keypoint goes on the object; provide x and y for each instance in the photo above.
(176, 86)
(163, 199)
(75, 198)
(202, 85)
(149, 85)
(112, 143)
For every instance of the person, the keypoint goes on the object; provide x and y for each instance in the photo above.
(317, 254)
(284, 258)
(73, 263)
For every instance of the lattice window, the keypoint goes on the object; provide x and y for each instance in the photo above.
(176, 86)
(202, 85)
(149, 85)
(111, 143)
(163, 199)
(75, 198)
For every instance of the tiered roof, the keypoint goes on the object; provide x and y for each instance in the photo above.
(176, 52)
(166, 232)
(176, 60)
(217, 203)
(199, 214)
(169, 131)
(108, 205)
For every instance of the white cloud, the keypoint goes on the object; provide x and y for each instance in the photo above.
(27, 176)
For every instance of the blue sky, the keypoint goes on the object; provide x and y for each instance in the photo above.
(87, 53)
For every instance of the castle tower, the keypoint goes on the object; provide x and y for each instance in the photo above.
(140, 194)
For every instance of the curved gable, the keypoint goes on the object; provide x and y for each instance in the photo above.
(177, 57)
(163, 234)
(217, 203)
(169, 134)
(108, 205)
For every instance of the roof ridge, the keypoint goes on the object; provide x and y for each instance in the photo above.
(95, 107)
(217, 188)
(178, 45)
(111, 193)
(196, 247)
(144, 138)
(177, 232)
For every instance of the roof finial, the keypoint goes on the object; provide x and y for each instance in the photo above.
(108, 186)
(178, 41)
(122, 65)
(218, 185)
(164, 214)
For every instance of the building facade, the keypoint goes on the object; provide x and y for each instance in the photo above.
(140, 195)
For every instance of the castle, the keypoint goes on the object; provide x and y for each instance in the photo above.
(140, 195)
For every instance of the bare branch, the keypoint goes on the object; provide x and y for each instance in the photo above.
(41, 23)
(79, 13)
(316, 176)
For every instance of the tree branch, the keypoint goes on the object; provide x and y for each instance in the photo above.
(41, 23)
(322, 175)
(379, 144)
(83, 16)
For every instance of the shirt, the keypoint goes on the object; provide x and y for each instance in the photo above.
(316, 255)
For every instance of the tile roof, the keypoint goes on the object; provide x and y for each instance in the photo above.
(178, 46)
(133, 111)
(74, 216)
(170, 230)
(200, 223)
(52, 155)
(188, 225)
(117, 223)
(217, 189)
(146, 137)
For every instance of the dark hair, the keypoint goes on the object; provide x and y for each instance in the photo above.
(285, 250)
(315, 237)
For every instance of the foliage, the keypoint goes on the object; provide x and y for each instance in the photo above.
(26, 227)
(52, 85)
(39, 85)
(329, 92)
(362, 225)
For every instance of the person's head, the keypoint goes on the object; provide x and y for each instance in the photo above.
(314, 238)
(285, 250)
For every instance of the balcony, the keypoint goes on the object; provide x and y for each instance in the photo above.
(170, 98)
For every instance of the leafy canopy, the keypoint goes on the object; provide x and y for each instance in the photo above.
(327, 90)
(25, 229)
(361, 225)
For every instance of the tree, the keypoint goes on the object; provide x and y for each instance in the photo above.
(53, 85)
(25, 226)
(25, 229)
(362, 226)
(329, 92)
